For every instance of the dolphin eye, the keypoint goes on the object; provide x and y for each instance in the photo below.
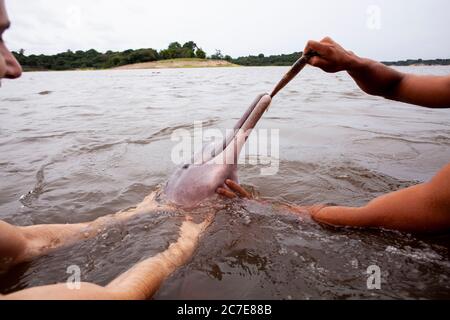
(186, 166)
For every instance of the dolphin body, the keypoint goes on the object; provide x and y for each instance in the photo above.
(194, 182)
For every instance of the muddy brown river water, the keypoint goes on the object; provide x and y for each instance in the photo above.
(75, 146)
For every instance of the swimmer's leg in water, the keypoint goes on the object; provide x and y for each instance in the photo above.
(139, 282)
(21, 244)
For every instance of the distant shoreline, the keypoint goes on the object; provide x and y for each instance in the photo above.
(188, 55)
(418, 62)
(177, 64)
(181, 63)
(145, 66)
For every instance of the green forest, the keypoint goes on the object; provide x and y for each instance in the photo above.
(289, 59)
(92, 59)
(274, 60)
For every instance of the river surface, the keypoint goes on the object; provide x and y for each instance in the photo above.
(75, 146)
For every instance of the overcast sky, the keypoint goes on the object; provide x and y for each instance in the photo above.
(383, 30)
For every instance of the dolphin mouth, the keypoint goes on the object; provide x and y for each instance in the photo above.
(241, 130)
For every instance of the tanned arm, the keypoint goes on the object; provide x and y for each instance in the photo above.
(424, 208)
(377, 79)
(421, 208)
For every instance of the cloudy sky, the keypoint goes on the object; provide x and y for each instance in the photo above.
(380, 29)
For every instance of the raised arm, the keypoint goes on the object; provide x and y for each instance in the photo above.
(377, 79)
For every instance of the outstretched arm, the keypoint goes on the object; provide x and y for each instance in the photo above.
(140, 282)
(421, 208)
(377, 79)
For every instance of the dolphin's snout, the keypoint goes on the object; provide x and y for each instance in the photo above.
(261, 106)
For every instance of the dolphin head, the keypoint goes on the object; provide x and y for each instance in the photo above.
(194, 182)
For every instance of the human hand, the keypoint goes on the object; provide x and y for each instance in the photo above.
(234, 190)
(305, 210)
(331, 56)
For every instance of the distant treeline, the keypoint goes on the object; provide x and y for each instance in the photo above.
(289, 59)
(261, 60)
(410, 62)
(92, 59)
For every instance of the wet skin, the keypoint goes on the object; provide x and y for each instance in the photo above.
(187, 187)
(192, 183)
(424, 208)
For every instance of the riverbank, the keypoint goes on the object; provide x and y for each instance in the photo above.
(208, 63)
(178, 63)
